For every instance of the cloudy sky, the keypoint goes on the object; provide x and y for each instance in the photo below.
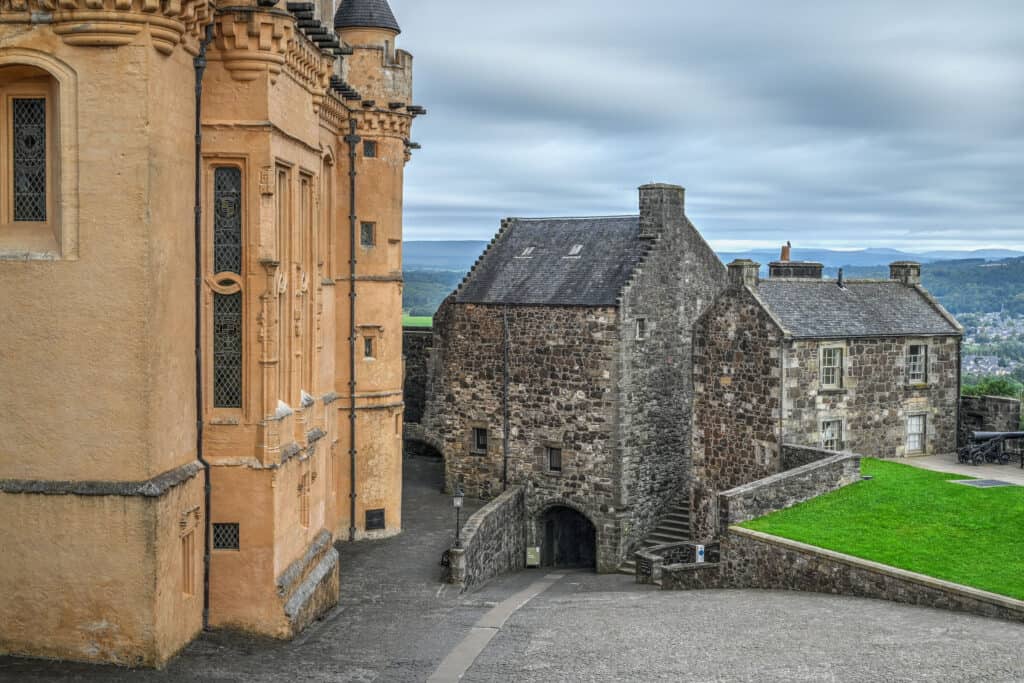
(832, 124)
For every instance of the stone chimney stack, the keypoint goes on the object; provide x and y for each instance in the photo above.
(796, 270)
(787, 252)
(662, 207)
(907, 272)
(744, 272)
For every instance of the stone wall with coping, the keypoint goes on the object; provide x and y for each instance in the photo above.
(798, 456)
(416, 343)
(786, 489)
(988, 414)
(493, 541)
(751, 559)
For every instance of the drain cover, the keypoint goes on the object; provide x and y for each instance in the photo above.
(982, 483)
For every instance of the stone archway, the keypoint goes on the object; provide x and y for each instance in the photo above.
(569, 539)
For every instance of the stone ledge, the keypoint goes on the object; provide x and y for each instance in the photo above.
(290, 576)
(150, 488)
(1002, 601)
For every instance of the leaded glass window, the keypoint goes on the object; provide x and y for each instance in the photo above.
(29, 135)
(227, 308)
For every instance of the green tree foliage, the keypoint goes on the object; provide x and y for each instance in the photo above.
(424, 290)
(993, 386)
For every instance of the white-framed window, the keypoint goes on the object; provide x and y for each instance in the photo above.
(554, 458)
(641, 329)
(917, 363)
(832, 435)
(479, 443)
(832, 367)
(917, 426)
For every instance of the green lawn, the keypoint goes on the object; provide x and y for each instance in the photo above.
(417, 321)
(914, 519)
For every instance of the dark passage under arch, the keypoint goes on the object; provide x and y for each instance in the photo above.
(570, 539)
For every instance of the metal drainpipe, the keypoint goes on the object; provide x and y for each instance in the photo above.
(352, 140)
(506, 343)
(199, 63)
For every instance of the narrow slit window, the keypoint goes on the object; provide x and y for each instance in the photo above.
(479, 440)
(29, 134)
(554, 459)
(188, 563)
(641, 328)
(227, 308)
(832, 435)
(368, 234)
(368, 347)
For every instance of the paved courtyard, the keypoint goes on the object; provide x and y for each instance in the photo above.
(397, 623)
(1010, 473)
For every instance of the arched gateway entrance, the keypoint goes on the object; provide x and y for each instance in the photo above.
(570, 539)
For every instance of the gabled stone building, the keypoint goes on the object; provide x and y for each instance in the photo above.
(200, 340)
(869, 366)
(562, 363)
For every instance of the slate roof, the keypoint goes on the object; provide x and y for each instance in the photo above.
(611, 248)
(365, 14)
(881, 308)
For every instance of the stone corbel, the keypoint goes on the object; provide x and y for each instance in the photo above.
(113, 23)
(252, 42)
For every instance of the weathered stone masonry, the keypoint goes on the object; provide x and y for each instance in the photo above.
(416, 342)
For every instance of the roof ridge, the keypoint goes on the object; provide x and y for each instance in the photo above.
(574, 218)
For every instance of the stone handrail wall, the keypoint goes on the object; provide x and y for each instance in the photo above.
(784, 490)
(493, 541)
(797, 456)
(651, 561)
(752, 559)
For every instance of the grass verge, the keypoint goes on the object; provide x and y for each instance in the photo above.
(417, 321)
(915, 519)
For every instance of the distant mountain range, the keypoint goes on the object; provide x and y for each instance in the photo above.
(460, 255)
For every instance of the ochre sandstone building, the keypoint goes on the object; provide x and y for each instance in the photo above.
(183, 313)
(562, 363)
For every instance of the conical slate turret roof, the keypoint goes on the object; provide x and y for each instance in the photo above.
(365, 14)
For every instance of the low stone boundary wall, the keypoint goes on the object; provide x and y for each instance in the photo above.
(651, 561)
(784, 490)
(798, 456)
(493, 541)
(752, 559)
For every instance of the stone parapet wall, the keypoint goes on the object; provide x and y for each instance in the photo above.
(751, 559)
(787, 489)
(416, 343)
(493, 541)
(798, 456)
(988, 414)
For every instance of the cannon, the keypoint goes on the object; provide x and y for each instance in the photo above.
(990, 447)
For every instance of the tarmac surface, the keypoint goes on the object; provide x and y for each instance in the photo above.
(396, 622)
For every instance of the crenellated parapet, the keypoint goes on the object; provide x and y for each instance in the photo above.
(112, 23)
(310, 66)
(376, 122)
(252, 41)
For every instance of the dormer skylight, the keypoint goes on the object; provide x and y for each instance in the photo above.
(576, 249)
(527, 252)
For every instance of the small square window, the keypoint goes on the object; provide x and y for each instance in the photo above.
(479, 440)
(368, 347)
(369, 149)
(916, 429)
(376, 520)
(368, 234)
(554, 459)
(641, 328)
(917, 364)
(832, 368)
(832, 435)
(226, 536)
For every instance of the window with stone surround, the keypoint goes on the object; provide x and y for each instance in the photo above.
(554, 458)
(226, 536)
(30, 165)
(227, 282)
(369, 149)
(832, 435)
(479, 442)
(368, 347)
(832, 367)
(368, 234)
(917, 364)
(917, 426)
(641, 329)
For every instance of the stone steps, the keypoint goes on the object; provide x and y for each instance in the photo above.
(673, 527)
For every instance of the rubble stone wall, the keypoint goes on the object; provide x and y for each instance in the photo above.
(493, 541)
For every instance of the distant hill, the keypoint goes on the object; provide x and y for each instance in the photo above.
(441, 255)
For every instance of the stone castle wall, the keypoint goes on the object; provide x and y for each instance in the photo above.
(988, 414)
(562, 393)
(493, 541)
(875, 399)
(737, 388)
(678, 279)
(416, 343)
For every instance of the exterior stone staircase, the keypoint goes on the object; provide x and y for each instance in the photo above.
(674, 527)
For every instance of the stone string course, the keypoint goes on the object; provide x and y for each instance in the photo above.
(493, 541)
